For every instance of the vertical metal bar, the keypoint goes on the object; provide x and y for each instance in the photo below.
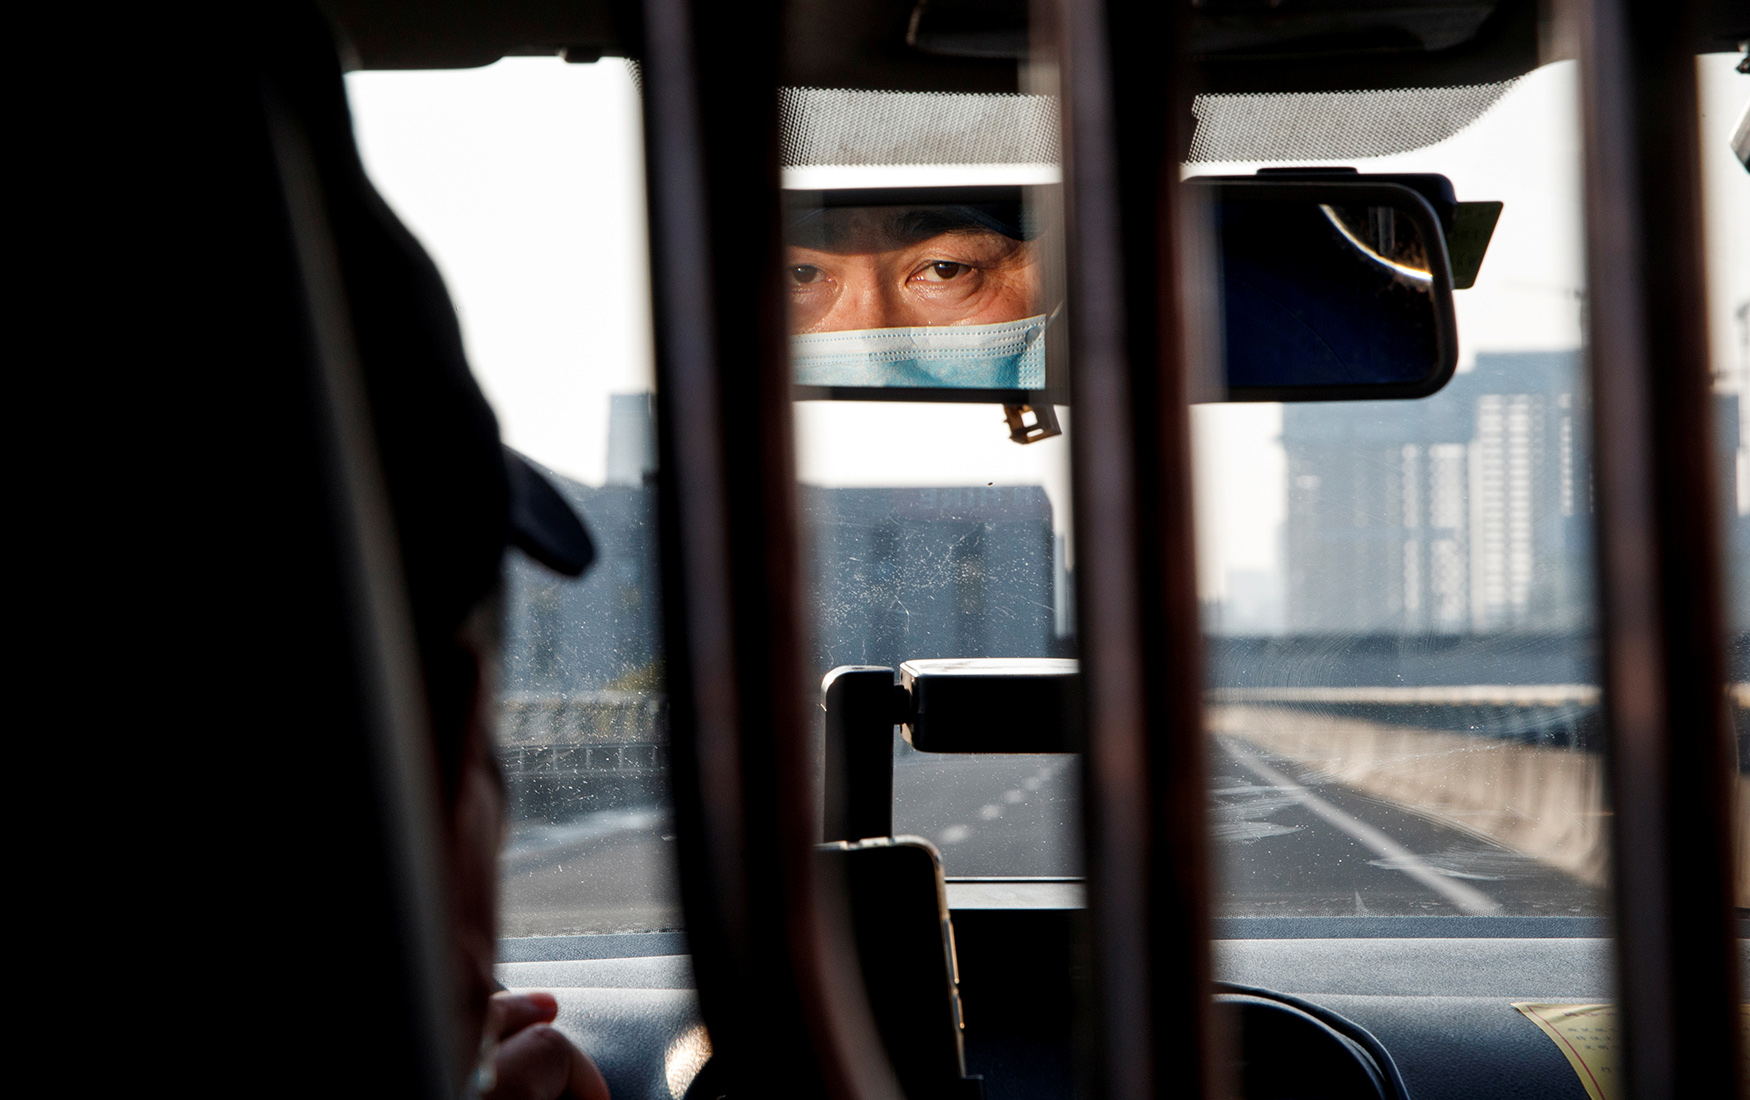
(1658, 551)
(858, 716)
(776, 973)
(1145, 773)
(391, 715)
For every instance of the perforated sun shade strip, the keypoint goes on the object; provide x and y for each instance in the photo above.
(1333, 125)
(836, 126)
(828, 126)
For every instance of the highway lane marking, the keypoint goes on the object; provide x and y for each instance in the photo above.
(543, 847)
(1467, 899)
(991, 811)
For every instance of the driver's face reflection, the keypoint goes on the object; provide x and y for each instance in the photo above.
(869, 268)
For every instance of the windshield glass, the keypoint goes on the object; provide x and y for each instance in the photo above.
(524, 179)
(1725, 178)
(1402, 692)
(1403, 698)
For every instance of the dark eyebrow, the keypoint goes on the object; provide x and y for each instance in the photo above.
(919, 224)
(839, 229)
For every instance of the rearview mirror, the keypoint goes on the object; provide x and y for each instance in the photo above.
(1332, 285)
(1331, 289)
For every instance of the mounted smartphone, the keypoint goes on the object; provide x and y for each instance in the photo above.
(905, 943)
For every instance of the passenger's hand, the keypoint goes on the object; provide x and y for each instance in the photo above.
(533, 1061)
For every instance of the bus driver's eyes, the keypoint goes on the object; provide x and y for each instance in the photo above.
(943, 270)
(871, 275)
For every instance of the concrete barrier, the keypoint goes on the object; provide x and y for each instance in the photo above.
(1448, 752)
(1547, 803)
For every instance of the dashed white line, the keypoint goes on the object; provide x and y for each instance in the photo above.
(954, 834)
(1467, 899)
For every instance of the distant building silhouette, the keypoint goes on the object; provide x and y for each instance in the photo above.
(593, 634)
(933, 572)
(631, 438)
(1467, 512)
(894, 574)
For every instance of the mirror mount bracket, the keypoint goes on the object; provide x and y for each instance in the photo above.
(1044, 424)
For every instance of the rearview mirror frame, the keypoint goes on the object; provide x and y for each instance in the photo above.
(1208, 194)
(1407, 194)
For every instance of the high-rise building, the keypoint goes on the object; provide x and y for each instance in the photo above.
(631, 438)
(1468, 512)
(1464, 512)
(893, 574)
(933, 572)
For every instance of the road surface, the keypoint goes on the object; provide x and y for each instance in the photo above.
(1286, 844)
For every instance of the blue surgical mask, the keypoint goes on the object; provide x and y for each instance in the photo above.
(1005, 356)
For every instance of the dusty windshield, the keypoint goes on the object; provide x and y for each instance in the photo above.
(1403, 699)
(1402, 692)
(1400, 613)
(524, 179)
(1724, 86)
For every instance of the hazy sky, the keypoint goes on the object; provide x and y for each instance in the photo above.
(524, 179)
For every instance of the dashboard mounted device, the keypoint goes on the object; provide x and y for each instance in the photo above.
(992, 704)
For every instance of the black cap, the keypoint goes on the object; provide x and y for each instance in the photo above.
(542, 524)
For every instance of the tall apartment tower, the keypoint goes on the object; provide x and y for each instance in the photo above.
(1465, 512)
(631, 438)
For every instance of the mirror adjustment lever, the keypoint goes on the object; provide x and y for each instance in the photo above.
(1044, 424)
(969, 705)
(862, 705)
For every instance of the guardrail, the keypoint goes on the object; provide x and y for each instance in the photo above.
(625, 733)
(1483, 757)
(594, 718)
(1552, 715)
(568, 754)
